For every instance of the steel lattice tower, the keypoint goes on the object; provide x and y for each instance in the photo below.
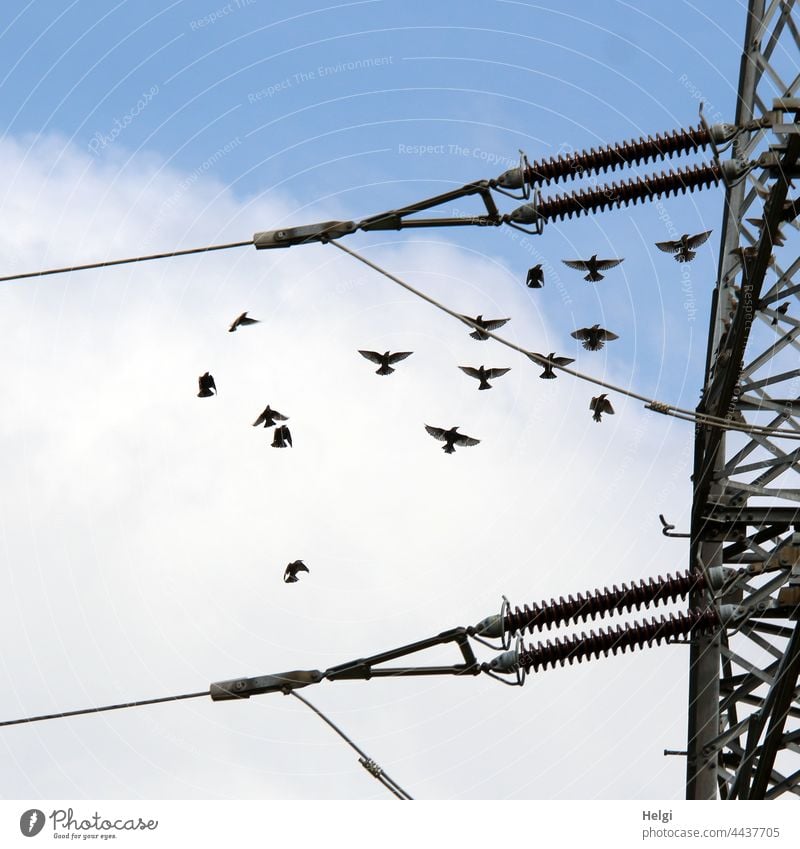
(744, 702)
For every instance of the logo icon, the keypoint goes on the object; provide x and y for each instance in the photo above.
(31, 822)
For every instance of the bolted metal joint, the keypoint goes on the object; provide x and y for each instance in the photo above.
(289, 236)
(243, 688)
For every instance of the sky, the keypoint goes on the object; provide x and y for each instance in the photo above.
(144, 532)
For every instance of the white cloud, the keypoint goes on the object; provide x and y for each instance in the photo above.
(145, 531)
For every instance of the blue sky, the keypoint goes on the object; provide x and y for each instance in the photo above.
(145, 531)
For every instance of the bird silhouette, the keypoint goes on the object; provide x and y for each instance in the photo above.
(290, 575)
(385, 360)
(269, 417)
(242, 321)
(535, 278)
(485, 323)
(206, 384)
(593, 265)
(791, 208)
(548, 373)
(778, 237)
(593, 337)
(782, 309)
(282, 437)
(600, 405)
(684, 248)
(484, 374)
(451, 438)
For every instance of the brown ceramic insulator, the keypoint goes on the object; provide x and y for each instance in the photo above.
(633, 636)
(601, 602)
(565, 167)
(629, 191)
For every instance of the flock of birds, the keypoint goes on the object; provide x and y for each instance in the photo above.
(593, 339)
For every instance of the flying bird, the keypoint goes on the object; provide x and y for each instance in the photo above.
(593, 337)
(242, 321)
(782, 309)
(451, 438)
(535, 278)
(490, 324)
(290, 575)
(684, 248)
(206, 384)
(548, 373)
(269, 417)
(593, 265)
(484, 374)
(385, 360)
(600, 405)
(282, 437)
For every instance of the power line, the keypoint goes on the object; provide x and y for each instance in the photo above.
(120, 706)
(369, 765)
(126, 261)
(650, 403)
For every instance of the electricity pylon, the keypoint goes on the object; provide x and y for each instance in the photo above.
(744, 704)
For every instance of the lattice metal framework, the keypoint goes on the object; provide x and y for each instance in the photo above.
(744, 701)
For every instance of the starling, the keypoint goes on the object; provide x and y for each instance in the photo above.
(548, 373)
(749, 253)
(600, 405)
(206, 384)
(594, 337)
(684, 248)
(782, 309)
(486, 324)
(241, 321)
(791, 208)
(385, 359)
(535, 278)
(451, 438)
(778, 239)
(484, 374)
(593, 265)
(282, 437)
(269, 417)
(290, 575)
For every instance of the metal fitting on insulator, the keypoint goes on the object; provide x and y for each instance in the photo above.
(525, 214)
(732, 615)
(514, 178)
(721, 133)
(506, 662)
(491, 627)
(734, 169)
(718, 576)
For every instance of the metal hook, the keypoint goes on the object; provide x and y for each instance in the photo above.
(667, 528)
